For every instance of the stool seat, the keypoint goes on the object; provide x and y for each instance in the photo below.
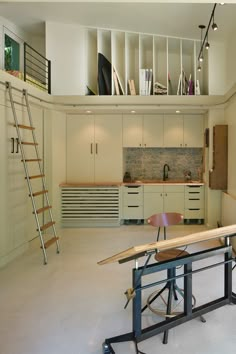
(169, 254)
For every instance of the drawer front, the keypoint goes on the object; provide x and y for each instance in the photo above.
(133, 212)
(192, 191)
(194, 214)
(133, 198)
(133, 195)
(173, 188)
(194, 202)
(153, 189)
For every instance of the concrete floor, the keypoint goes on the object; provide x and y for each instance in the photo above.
(72, 304)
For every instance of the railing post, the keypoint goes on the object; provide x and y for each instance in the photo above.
(49, 76)
(25, 61)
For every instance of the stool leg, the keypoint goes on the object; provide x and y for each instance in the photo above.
(155, 297)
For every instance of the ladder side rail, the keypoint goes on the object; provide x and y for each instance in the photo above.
(25, 93)
(8, 86)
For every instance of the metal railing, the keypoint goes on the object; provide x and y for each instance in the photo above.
(37, 69)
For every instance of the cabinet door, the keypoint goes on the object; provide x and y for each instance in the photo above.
(153, 130)
(80, 148)
(193, 131)
(108, 148)
(153, 204)
(173, 131)
(174, 202)
(132, 130)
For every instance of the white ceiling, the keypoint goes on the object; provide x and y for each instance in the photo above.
(170, 19)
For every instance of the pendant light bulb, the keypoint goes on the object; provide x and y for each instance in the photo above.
(207, 46)
(214, 27)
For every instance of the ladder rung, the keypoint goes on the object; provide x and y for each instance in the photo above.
(46, 226)
(21, 104)
(22, 126)
(36, 176)
(41, 210)
(50, 242)
(28, 143)
(39, 193)
(31, 160)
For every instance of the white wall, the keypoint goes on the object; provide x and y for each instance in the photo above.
(230, 60)
(16, 33)
(65, 48)
(217, 69)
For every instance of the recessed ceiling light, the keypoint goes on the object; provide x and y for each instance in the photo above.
(88, 111)
(177, 111)
(133, 111)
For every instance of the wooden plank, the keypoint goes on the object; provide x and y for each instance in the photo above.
(46, 226)
(173, 243)
(25, 127)
(50, 242)
(39, 193)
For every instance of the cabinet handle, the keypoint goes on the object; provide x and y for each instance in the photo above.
(140, 144)
(181, 144)
(145, 145)
(17, 145)
(12, 145)
(96, 148)
(91, 148)
(161, 194)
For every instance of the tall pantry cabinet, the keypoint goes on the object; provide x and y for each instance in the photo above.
(17, 221)
(94, 148)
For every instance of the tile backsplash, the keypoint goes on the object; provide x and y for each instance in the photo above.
(147, 163)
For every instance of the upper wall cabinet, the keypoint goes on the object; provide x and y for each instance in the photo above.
(144, 64)
(183, 131)
(143, 130)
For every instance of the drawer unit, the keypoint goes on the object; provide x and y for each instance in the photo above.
(132, 202)
(194, 203)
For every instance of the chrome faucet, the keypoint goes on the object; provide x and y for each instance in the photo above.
(166, 169)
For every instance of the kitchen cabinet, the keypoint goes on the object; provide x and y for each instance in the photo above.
(94, 148)
(183, 131)
(17, 221)
(163, 198)
(194, 203)
(132, 202)
(143, 130)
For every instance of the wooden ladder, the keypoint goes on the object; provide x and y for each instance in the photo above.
(46, 210)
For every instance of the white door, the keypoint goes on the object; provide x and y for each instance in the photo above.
(193, 131)
(153, 130)
(80, 148)
(173, 131)
(108, 148)
(132, 130)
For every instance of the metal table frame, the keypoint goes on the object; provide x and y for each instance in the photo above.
(138, 333)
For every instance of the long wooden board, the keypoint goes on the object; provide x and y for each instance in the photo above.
(176, 242)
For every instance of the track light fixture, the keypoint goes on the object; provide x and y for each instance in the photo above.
(204, 42)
